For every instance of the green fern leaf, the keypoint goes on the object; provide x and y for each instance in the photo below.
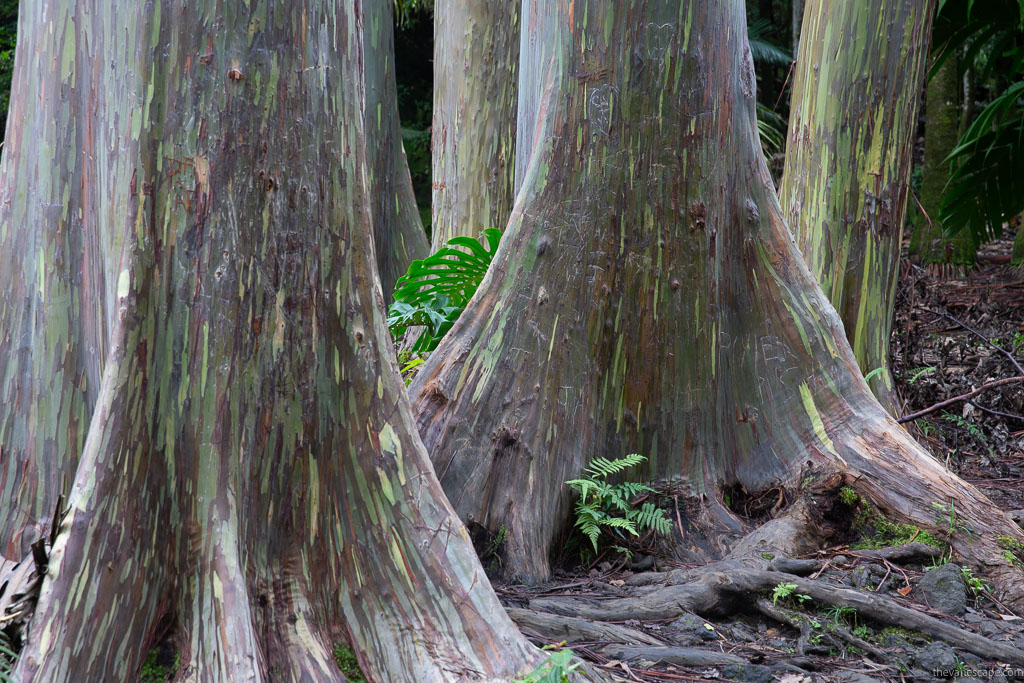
(621, 523)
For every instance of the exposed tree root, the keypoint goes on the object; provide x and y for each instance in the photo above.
(803, 625)
(719, 592)
(572, 630)
(909, 552)
(680, 656)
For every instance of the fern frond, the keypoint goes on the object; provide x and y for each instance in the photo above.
(620, 523)
(591, 531)
(603, 467)
(653, 518)
(582, 487)
(632, 489)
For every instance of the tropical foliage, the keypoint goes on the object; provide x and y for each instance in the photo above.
(986, 185)
(435, 290)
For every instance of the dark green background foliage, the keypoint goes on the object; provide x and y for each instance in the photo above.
(8, 36)
(986, 187)
(414, 71)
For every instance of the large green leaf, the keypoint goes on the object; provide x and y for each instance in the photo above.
(435, 290)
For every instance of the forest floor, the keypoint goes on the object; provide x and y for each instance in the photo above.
(953, 332)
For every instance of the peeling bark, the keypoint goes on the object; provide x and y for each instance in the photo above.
(60, 158)
(250, 473)
(473, 138)
(648, 298)
(856, 91)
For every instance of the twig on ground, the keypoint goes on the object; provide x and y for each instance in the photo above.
(997, 347)
(962, 397)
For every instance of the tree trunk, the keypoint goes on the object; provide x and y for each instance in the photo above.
(59, 305)
(648, 298)
(850, 150)
(398, 235)
(929, 242)
(473, 138)
(1017, 256)
(250, 480)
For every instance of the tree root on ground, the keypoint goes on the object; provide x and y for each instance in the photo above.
(802, 624)
(719, 591)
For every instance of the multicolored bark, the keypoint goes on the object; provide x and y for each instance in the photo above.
(398, 235)
(929, 242)
(250, 475)
(473, 138)
(848, 159)
(648, 298)
(58, 265)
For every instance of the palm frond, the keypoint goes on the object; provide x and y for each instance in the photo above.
(762, 50)
(771, 128)
(986, 185)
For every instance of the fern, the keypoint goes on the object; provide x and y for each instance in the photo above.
(8, 658)
(603, 467)
(604, 507)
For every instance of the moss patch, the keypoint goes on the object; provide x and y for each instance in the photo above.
(160, 665)
(878, 532)
(1013, 550)
(346, 660)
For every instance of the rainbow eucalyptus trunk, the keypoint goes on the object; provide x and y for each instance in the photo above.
(929, 243)
(648, 298)
(473, 137)
(398, 235)
(848, 159)
(245, 470)
(58, 267)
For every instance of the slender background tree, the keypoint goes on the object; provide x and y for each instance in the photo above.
(476, 58)
(853, 118)
(398, 235)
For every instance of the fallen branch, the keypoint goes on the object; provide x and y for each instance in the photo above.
(880, 609)
(979, 335)
(961, 398)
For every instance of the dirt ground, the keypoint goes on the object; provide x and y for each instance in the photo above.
(947, 330)
(953, 333)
